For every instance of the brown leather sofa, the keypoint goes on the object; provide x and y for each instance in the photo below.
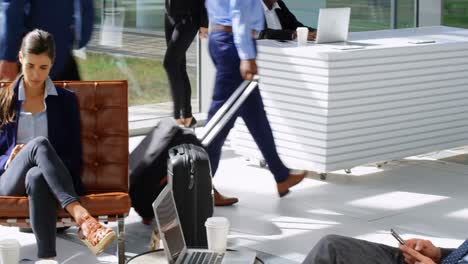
(104, 134)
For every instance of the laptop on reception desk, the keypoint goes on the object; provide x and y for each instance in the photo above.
(333, 25)
(172, 236)
(333, 28)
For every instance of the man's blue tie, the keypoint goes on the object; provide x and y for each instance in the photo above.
(457, 254)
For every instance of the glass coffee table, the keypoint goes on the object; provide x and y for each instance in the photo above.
(158, 257)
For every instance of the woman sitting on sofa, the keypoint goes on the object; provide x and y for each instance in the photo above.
(40, 148)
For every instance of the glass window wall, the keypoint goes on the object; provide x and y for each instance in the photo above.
(128, 43)
(365, 14)
(455, 13)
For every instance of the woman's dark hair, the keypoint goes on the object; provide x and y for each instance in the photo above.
(35, 42)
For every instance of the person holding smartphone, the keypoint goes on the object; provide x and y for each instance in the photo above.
(335, 249)
(40, 149)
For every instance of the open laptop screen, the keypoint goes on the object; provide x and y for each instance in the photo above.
(166, 214)
(333, 25)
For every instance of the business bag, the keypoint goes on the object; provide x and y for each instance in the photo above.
(148, 163)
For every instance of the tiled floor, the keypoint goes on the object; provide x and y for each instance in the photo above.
(420, 197)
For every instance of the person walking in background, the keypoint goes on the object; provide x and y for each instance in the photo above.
(40, 148)
(183, 19)
(234, 25)
(280, 23)
(71, 22)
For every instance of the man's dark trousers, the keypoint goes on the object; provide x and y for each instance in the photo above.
(224, 55)
(334, 249)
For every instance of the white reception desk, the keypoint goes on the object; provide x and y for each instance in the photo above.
(335, 109)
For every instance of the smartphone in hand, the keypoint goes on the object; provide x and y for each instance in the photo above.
(397, 237)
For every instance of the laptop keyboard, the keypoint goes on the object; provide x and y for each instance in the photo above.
(202, 258)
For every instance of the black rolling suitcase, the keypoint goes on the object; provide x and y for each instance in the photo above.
(189, 175)
(169, 150)
(148, 164)
(189, 172)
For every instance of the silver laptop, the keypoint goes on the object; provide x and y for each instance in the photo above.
(333, 25)
(172, 236)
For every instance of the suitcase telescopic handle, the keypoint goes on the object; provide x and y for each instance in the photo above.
(227, 111)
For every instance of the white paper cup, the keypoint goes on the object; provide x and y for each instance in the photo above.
(217, 229)
(302, 34)
(9, 251)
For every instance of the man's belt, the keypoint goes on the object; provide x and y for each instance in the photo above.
(224, 28)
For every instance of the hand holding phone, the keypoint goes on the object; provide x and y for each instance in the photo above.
(397, 237)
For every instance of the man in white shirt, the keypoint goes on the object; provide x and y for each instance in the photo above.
(271, 18)
(280, 23)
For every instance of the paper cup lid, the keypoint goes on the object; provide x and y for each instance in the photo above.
(217, 222)
(9, 243)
